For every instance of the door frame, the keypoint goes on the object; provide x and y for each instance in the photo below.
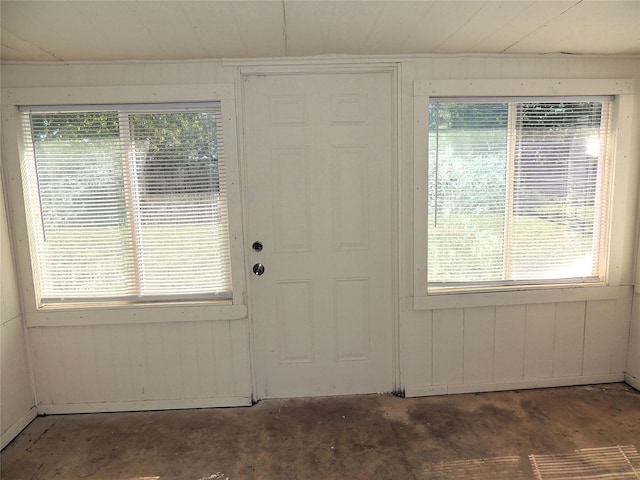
(319, 68)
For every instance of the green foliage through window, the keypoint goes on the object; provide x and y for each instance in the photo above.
(128, 204)
(515, 190)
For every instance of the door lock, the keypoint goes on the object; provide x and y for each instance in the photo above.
(257, 246)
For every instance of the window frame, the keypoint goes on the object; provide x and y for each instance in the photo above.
(99, 312)
(482, 295)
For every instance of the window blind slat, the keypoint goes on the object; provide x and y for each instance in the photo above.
(127, 204)
(516, 190)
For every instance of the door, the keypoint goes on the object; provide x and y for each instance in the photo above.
(320, 196)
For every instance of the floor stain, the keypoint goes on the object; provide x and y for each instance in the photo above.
(356, 437)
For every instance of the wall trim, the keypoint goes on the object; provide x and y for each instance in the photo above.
(13, 431)
(144, 405)
(134, 314)
(347, 58)
(81, 314)
(518, 385)
(617, 273)
(521, 297)
(532, 87)
(632, 381)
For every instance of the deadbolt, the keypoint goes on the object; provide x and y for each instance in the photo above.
(258, 269)
(257, 246)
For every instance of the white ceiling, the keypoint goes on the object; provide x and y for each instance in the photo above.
(175, 30)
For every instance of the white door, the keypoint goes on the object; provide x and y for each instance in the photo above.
(319, 188)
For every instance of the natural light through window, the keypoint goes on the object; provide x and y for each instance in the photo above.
(517, 190)
(127, 203)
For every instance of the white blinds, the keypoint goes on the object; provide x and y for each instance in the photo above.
(127, 203)
(517, 190)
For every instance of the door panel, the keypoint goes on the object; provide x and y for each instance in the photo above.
(319, 189)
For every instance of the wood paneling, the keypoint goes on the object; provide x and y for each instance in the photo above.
(633, 359)
(133, 30)
(146, 366)
(568, 339)
(539, 341)
(514, 346)
(448, 346)
(598, 337)
(508, 362)
(479, 343)
(16, 396)
(199, 363)
(502, 345)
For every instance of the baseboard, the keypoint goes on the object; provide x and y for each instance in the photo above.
(633, 381)
(136, 406)
(13, 431)
(429, 390)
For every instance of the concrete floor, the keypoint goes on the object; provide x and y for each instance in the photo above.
(574, 432)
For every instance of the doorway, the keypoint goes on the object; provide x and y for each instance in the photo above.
(320, 196)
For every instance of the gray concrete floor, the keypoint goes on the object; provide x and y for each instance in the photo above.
(573, 432)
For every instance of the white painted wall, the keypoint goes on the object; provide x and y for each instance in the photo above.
(122, 359)
(529, 343)
(16, 396)
(633, 359)
(130, 358)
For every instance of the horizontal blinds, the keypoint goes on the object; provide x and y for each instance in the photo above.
(122, 107)
(516, 190)
(182, 240)
(81, 241)
(127, 204)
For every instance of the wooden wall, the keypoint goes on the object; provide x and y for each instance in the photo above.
(633, 359)
(137, 363)
(130, 358)
(141, 366)
(16, 396)
(515, 346)
(521, 345)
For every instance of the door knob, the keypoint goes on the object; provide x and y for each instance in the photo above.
(258, 269)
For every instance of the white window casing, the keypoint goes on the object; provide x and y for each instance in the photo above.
(509, 284)
(207, 280)
(127, 203)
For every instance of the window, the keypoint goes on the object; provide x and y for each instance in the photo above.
(517, 191)
(127, 203)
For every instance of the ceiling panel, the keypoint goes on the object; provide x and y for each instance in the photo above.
(49, 30)
(594, 27)
(183, 29)
(18, 49)
(171, 43)
(306, 37)
(352, 23)
(597, 27)
(387, 38)
(505, 36)
(261, 26)
(470, 35)
(215, 29)
(101, 30)
(442, 21)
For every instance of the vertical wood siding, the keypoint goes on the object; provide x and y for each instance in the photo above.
(206, 363)
(507, 347)
(515, 346)
(633, 360)
(113, 362)
(16, 396)
(145, 366)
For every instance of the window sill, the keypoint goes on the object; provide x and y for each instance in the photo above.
(519, 296)
(105, 314)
